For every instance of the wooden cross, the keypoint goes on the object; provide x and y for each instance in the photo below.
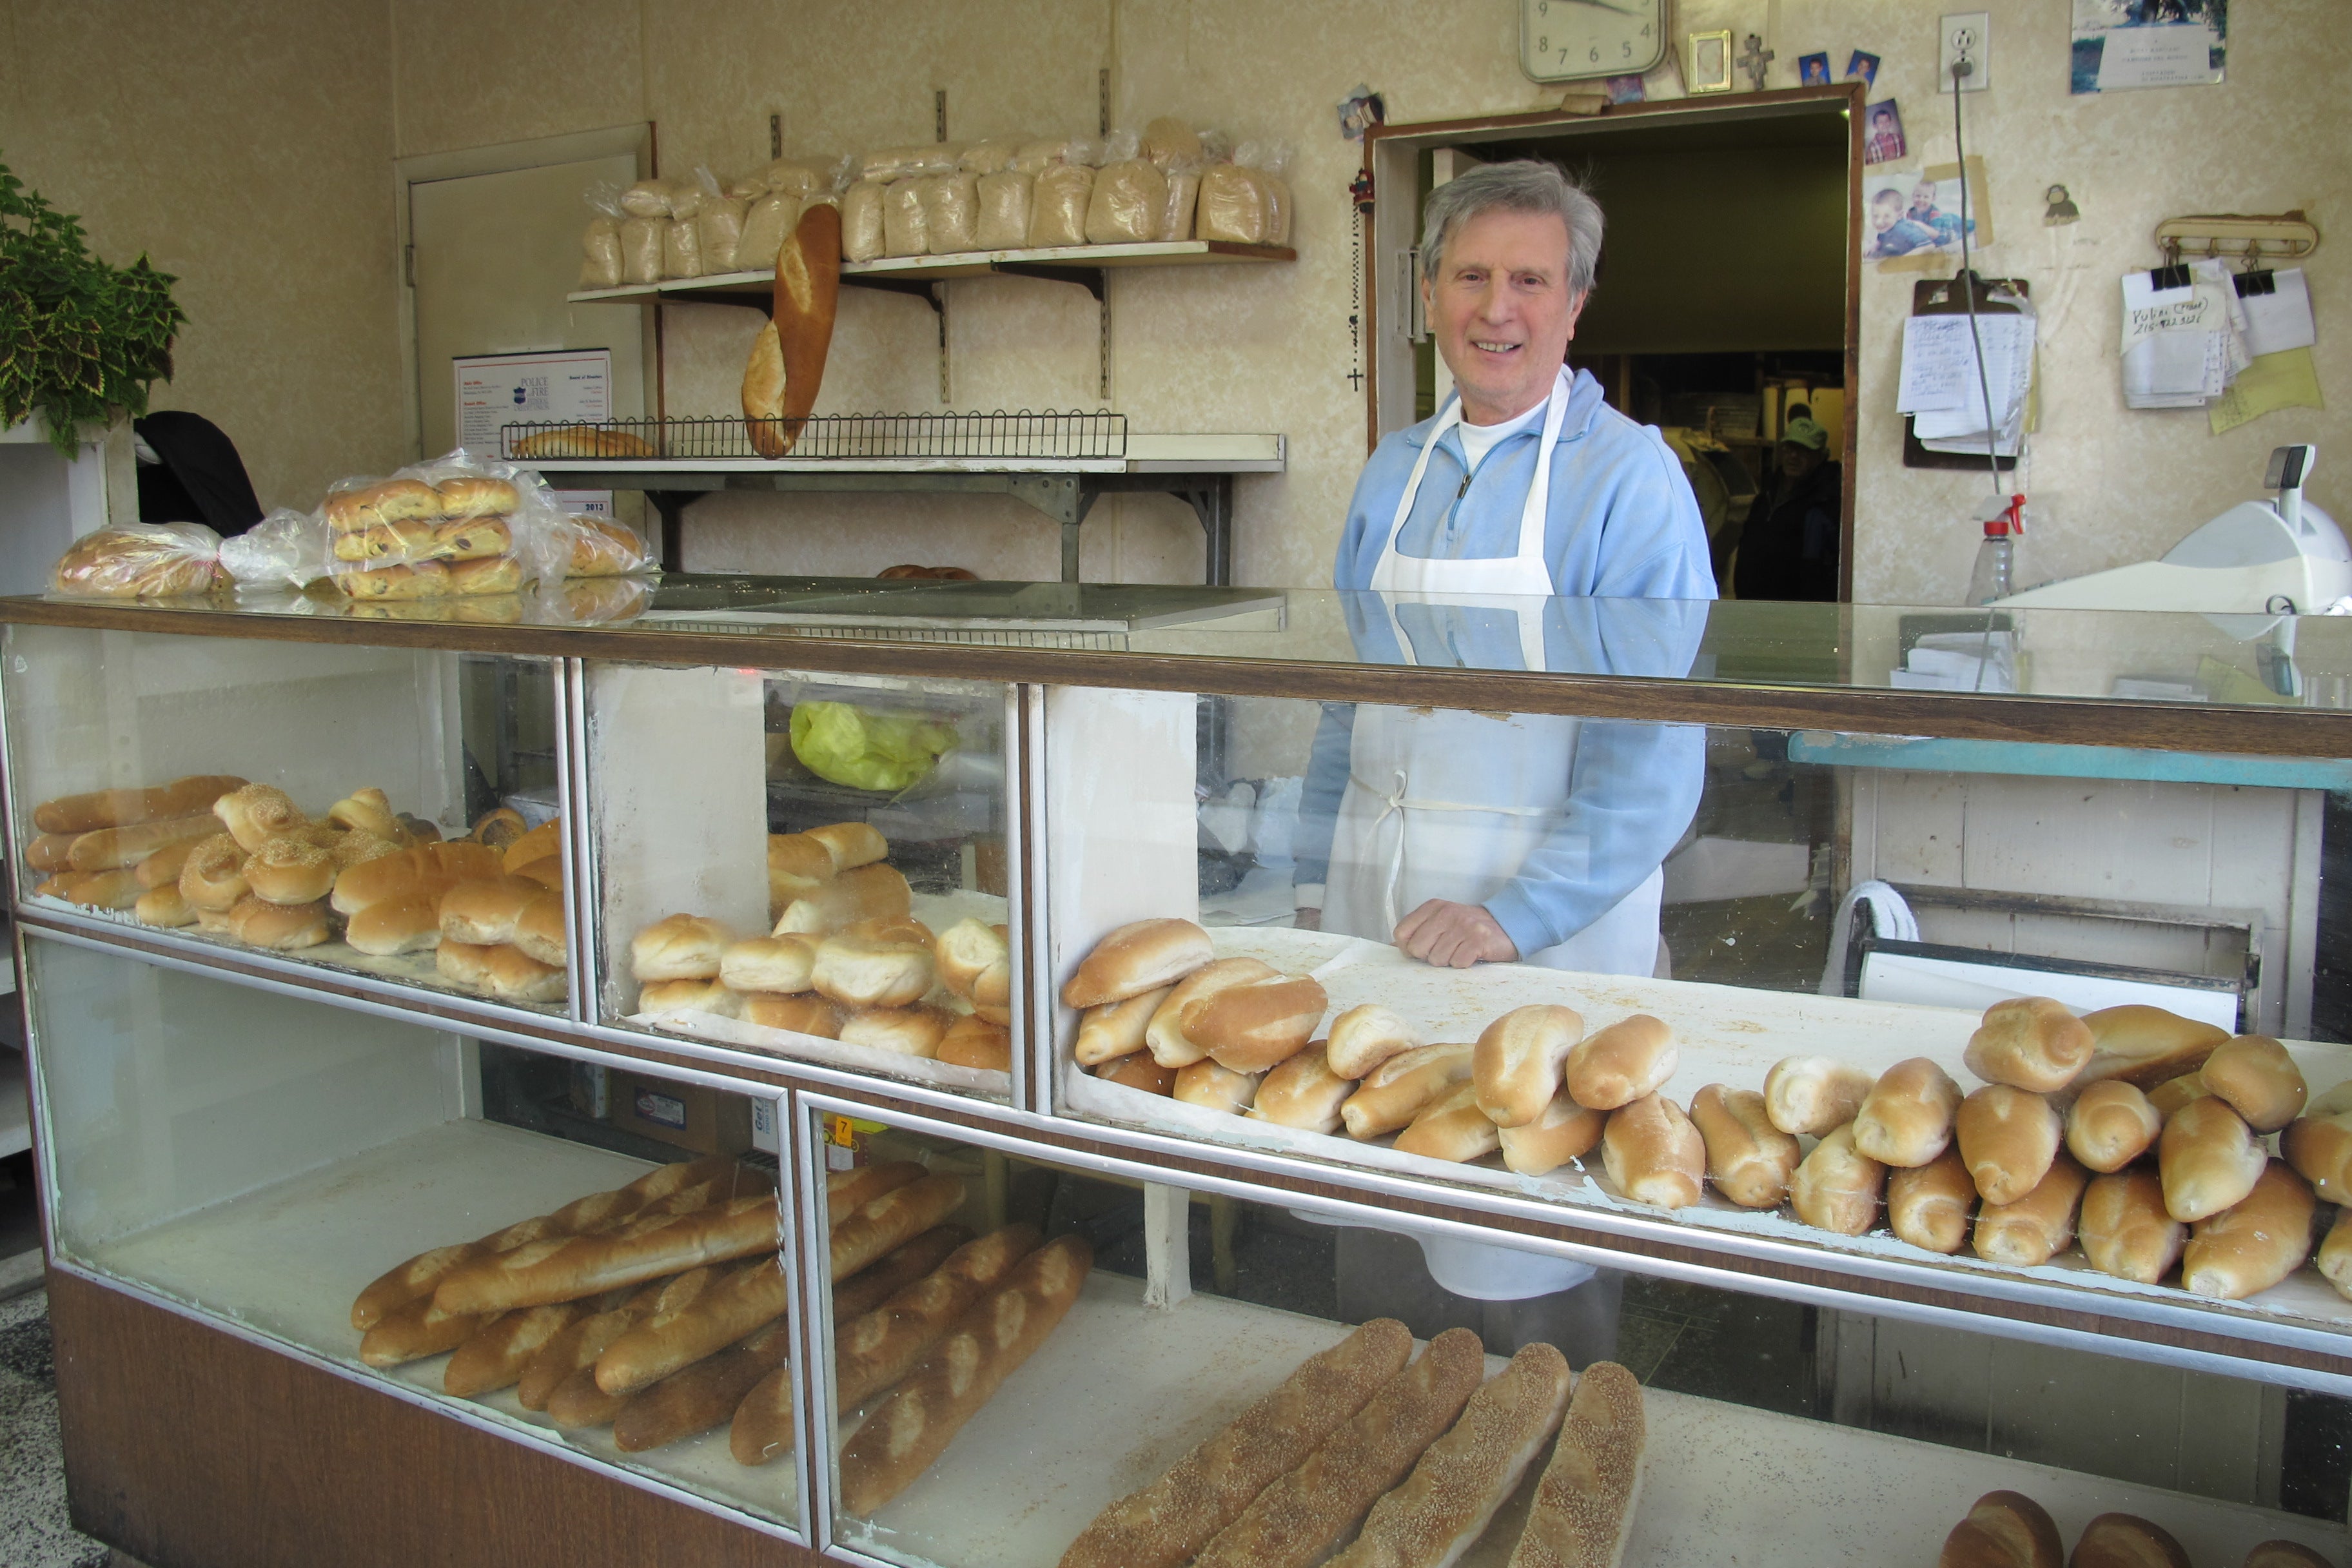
(1753, 59)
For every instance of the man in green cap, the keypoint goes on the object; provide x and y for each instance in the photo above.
(1790, 548)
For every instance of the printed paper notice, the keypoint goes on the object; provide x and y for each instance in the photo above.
(558, 386)
(2133, 43)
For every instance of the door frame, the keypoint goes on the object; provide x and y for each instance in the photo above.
(636, 140)
(1392, 156)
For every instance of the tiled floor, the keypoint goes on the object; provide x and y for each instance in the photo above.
(33, 1529)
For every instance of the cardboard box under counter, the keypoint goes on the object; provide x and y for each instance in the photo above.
(688, 1115)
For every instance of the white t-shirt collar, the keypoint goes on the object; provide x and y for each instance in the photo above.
(1477, 440)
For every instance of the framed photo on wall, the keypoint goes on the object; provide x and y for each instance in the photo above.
(1709, 55)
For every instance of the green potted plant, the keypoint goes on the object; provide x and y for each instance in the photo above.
(79, 341)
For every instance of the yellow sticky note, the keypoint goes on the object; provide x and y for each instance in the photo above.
(2287, 379)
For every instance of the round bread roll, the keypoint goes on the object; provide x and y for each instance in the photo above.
(2285, 1555)
(1907, 1118)
(2336, 1254)
(876, 964)
(1809, 1096)
(163, 906)
(2127, 1541)
(547, 871)
(462, 963)
(797, 867)
(434, 867)
(1749, 1160)
(405, 923)
(2005, 1529)
(472, 539)
(1304, 1092)
(974, 1042)
(281, 928)
(679, 947)
(215, 921)
(257, 814)
(2030, 1043)
(2209, 1158)
(975, 962)
(2166, 1097)
(366, 811)
(1836, 1187)
(391, 500)
(804, 1013)
(2319, 1147)
(2258, 1078)
(867, 893)
(1139, 1071)
(1930, 1206)
(1518, 1061)
(539, 931)
(850, 845)
(212, 878)
(486, 910)
(1391, 1094)
(357, 847)
(1566, 1130)
(477, 495)
(1653, 1154)
(1145, 955)
(2253, 1244)
(547, 839)
(2007, 1137)
(2145, 1045)
(291, 871)
(2111, 1124)
(660, 998)
(2125, 1229)
(1116, 1029)
(902, 1031)
(1164, 1035)
(2037, 1226)
(1620, 1063)
(783, 964)
(1450, 1126)
(1213, 1087)
(1253, 1026)
(1367, 1035)
(510, 975)
(498, 828)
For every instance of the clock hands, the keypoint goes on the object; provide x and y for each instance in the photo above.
(1605, 5)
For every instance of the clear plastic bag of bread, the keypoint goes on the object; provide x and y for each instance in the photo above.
(767, 224)
(603, 547)
(1183, 196)
(588, 601)
(287, 549)
(599, 243)
(906, 230)
(799, 177)
(992, 156)
(682, 241)
(718, 223)
(1002, 223)
(140, 561)
(641, 247)
(1058, 201)
(458, 526)
(865, 237)
(903, 163)
(1127, 205)
(951, 212)
(1274, 174)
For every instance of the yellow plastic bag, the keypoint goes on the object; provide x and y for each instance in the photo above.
(844, 744)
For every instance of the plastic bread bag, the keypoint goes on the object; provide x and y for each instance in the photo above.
(641, 249)
(746, 188)
(1058, 203)
(140, 561)
(646, 198)
(286, 549)
(904, 232)
(600, 244)
(993, 155)
(587, 601)
(864, 235)
(603, 547)
(1169, 142)
(797, 177)
(682, 248)
(1233, 202)
(718, 225)
(1183, 197)
(766, 226)
(1004, 223)
(1036, 157)
(685, 197)
(1126, 205)
(1274, 176)
(386, 539)
(951, 212)
(902, 162)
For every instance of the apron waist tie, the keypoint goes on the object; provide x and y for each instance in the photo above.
(1394, 802)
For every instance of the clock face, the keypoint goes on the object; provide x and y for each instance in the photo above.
(1563, 40)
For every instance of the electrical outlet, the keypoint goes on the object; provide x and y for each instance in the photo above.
(1968, 33)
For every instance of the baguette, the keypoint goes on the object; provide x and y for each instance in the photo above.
(106, 848)
(2256, 1076)
(162, 867)
(577, 1346)
(917, 1420)
(566, 1270)
(1617, 1066)
(1518, 1061)
(2110, 1124)
(2005, 1529)
(738, 1303)
(762, 1429)
(115, 889)
(128, 807)
(50, 852)
(1749, 1160)
(1566, 1130)
(577, 1402)
(1812, 1095)
(700, 1396)
(2210, 1159)
(2008, 1137)
(1394, 1093)
(1583, 1506)
(1930, 1206)
(846, 1192)
(1166, 1522)
(1907, 1119)
(892, 1220)
(807, 291)
(2255, 1244)
(2036, 1227)
(419, 1328)
(2124, 1541)
(496, 1357)
(2125, 1229)
(1836, 1187)
(878, 1282)
(1452, 1493)
(872, 1352)
(1452, 1127)
(1298, 1518)
(1653, 1153)
(2030, 1043)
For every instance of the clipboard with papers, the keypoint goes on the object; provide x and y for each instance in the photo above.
(1942, 398)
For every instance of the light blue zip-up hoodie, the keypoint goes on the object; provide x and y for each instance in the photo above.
(1623, 527)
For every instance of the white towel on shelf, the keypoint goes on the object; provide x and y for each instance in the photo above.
(1890, 917)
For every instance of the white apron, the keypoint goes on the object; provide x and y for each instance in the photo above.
(1448, 804)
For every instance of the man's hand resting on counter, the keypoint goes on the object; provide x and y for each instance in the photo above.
(1454, 936)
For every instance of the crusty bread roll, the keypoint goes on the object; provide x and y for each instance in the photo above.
(281, 928)
(1217, 1087)
(1566, 1130)
(1582, 1512)
(1302, 1093)
(2005, 1529)
(1620, 1063)
(116, 889)
(1930, 1206)
(973, 1041)
(2007, 1136)
(1164, 1034)
(2285, 1555)
(463, 963)
(406, 922)
(387, 500)
(2336, 1254)
(1116, 1028)
(2319, 1147)
(1145, 955)
(804, 1013)
(2146, 1045)
(2110, 1124)
(164, 866)
(1367, 1035)
(105, 849)
(2209, 1158)
(357, 848)
(477, 495)
(2168, 1098)
(1812, 1095)
(258, 813)
(2030, 1043)
(437, 866)
(679, 947)
(547, 839)
(510, 975)
(1518, 1060)
(975, 962)
(1653, 1153)
(797, 865)
(2258, 1078)
(2125, 1541)
(290, 871)
(2125, 1229)
(850, 845)
(1451, 1127)
(496, 829)
(1393, 1094)
(1749, 1160)
(366, 811)
(213, 922)
(2254, 1243)
(655, 998)
(213, 875)
(164, 906)
(901, 1031)
(1168, 1523)
(1140, 1071)
(875, 964)
(876, 892)
(486, 910)
(80, 814)
(1907, 1118)
(2037, 1226)
(1836, 1187)
(538, 929)
(1257, 1024)
(54, 851)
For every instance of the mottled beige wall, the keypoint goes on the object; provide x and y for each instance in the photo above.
(247, 147)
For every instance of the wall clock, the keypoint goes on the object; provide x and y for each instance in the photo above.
(1567, 40)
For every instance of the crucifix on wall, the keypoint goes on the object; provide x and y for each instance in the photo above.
(1753, 59)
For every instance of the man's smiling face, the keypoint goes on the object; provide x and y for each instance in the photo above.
(1502, 310)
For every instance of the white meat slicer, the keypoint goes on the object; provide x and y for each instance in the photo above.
(2282, 557)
